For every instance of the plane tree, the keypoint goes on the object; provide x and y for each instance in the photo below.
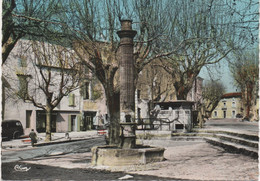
(45, 74)
(93, 26)
(27, 19)
(245, 73)
(210, 33)
(30, 19)
(155, 84)
(211, 94)
(184, 35)
(205, 43)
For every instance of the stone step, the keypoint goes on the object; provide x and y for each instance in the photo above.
(182, 136)
(233, 147)
(232, 142)
(187, 138)
(191, 134)
(241, 135)
(237, 140)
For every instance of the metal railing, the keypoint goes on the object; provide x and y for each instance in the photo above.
(152, 123)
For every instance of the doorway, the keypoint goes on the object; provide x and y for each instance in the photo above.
(88, 120)
(28, 118)
(73, 123)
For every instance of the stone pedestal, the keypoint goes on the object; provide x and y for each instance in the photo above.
(111, 156)
(128, 137)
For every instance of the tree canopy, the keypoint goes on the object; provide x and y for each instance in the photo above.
(212, 94)
(245, 72)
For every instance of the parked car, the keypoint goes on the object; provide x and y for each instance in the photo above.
(12, 129)
(239, 115)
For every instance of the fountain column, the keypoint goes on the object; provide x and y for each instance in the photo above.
(127, 92)
(127, 153)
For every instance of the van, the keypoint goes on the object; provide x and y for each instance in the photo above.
(12, 129)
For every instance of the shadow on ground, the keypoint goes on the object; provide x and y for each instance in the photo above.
(52, 173)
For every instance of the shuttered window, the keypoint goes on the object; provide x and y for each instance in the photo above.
(85, 91)
(23, 86)
(69, 123)
(71, 99)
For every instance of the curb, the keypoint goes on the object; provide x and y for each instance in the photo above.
(48, 143)
(251, 136)
(64, 141)
(233, 149)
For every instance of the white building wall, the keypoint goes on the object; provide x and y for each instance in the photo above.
(15, 108)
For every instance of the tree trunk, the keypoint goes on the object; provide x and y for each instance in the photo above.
(201, 116)
(112, 100)
(200, 119)
(181, 91)
(249, 92)
(3, 101)
(8, 47)
(48, 125)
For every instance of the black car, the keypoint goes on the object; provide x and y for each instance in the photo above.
(12, 129)
(239, 116)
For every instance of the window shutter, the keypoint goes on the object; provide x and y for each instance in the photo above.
(69, 123)
(71, 99)
(79, 121)
(23, 87)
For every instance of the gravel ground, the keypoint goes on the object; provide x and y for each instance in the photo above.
(184, 160)
(201, 161)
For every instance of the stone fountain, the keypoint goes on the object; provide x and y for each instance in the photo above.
(128, 152)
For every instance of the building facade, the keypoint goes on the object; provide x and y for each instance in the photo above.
(75, 112)
(82, 109)
(229, 106)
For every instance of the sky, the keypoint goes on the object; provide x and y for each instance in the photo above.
(222, 74)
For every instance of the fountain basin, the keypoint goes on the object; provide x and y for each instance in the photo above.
(114, 156)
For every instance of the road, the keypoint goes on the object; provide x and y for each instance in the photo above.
(233, 125)
(56, 149)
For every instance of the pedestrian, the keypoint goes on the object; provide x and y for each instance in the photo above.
(33, 137)
(96, 120)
